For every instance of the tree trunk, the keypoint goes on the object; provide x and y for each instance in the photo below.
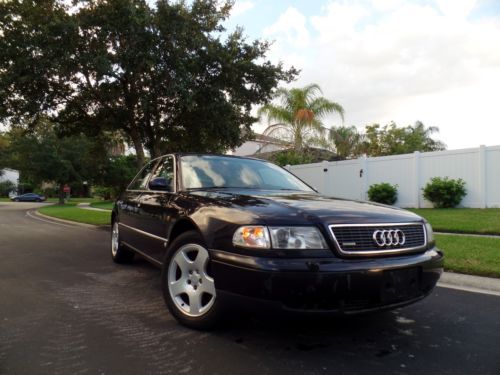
(139, 150)
(156, 150)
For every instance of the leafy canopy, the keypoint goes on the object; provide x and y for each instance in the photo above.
(165, 75)
(393, 140)
(42, 156)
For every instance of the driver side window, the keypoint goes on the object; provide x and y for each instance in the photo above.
(163, 176)
(140, 181)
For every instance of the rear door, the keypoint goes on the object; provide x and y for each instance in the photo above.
(156, 209)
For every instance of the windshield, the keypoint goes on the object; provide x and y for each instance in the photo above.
(207, 171)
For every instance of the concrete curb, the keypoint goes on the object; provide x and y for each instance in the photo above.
(86, 206)
(68, 222)
(470, 283)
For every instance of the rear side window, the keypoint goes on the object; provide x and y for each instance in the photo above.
(141, 180)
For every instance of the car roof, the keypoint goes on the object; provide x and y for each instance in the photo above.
(180, 154)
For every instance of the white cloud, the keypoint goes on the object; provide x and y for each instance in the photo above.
(290, 28)
(456, 8)
(241, 7)
(398, 60)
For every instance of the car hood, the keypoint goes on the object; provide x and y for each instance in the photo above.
(294, 207)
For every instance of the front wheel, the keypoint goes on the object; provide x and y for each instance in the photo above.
(119, 253)
(188, 288)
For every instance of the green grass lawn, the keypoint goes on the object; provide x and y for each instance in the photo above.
(104, 205)
(73, 213)
(75, 200)
(462, 220)
(471, 255)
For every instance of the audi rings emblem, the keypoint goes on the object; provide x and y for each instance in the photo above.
(392, 237)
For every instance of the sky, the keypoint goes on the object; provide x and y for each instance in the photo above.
(435, 61)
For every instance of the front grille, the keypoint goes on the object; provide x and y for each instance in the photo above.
(357, 239)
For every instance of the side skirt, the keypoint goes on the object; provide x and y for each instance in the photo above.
(145, 256)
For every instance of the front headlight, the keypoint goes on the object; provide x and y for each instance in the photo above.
(296, 238)
(430, 233)
(256, 236)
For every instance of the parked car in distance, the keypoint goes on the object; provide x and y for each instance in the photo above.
(234, 232)
(29, 197)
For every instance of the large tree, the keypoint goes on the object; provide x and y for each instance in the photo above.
(166, 75)
(296, 118)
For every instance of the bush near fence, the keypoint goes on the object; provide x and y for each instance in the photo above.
(350, 179)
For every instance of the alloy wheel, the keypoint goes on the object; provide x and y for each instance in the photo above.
(189, 285)
(115, 235)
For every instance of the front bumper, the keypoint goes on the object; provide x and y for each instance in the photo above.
(327, 285)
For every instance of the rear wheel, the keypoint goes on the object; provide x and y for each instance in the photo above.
(188, 288)
(119, 253)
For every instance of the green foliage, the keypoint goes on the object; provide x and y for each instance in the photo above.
(348, 142)
(167, 75)
(42, 156)
(393, 140)
(445, 192)
(291, 157)
(384, 193)
(298, 116)
(116, 175)
(6, 187)
(103, 192)
(50, 192)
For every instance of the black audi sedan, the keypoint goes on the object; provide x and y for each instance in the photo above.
(229, 231)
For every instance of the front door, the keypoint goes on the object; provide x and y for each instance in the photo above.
(156, 210)
(129, 207)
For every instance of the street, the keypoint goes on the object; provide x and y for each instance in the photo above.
(66, 308)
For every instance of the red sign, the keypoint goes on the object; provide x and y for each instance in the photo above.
(66, 189)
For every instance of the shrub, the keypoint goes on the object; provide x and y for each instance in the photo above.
(290, 157)
(103, 192)
(445, 192)
(6, 187)
(383, 193)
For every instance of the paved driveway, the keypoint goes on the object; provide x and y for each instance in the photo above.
(65, 308)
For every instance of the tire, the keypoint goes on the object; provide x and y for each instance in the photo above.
(119, 253)
(188, 288)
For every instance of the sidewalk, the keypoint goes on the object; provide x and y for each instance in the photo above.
(476, 284)
(86, 206)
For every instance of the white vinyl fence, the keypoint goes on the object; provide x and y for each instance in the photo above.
(478, 167)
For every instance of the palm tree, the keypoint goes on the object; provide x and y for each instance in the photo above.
(297, 117)
(347, 141)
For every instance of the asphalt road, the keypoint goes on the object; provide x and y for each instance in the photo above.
(66, 308)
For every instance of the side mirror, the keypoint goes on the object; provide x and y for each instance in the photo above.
(160, 184)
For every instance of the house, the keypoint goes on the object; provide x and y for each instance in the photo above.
(10, 175)
(260, 144)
